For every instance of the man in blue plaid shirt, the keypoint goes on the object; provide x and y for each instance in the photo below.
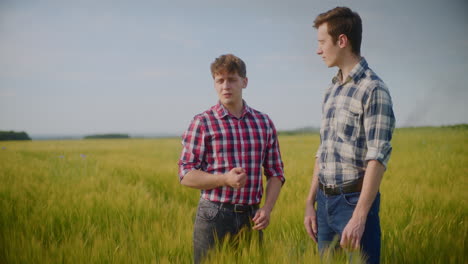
(357, 126)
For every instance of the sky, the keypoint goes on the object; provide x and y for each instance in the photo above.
(142, 67)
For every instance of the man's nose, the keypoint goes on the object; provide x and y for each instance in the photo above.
(226, 85)
(319, 51)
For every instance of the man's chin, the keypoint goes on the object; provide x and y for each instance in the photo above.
(227, 101)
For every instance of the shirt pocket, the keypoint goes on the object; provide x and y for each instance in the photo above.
(347, 124)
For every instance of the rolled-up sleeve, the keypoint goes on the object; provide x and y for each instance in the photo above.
(193, 149)
(379, 123)
(273, 164)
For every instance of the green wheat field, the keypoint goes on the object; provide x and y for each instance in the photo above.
(120, 201)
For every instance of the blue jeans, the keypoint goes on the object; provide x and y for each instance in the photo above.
(335, 211)
(213, 223)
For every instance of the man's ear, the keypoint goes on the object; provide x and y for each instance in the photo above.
(246, 81)
(343, 41)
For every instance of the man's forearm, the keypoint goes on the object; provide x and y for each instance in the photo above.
(370, 187)
(202, 180)
(272, 192)
(314, 185)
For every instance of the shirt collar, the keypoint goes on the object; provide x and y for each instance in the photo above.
(221, 111)
(355, 74)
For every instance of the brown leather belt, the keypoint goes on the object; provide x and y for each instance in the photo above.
(355, 186)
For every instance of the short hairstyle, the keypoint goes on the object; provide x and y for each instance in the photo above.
(342, 20)
(228, 63)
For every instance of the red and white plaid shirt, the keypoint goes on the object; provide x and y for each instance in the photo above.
(217, 142)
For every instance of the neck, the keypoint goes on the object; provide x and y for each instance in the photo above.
(347, 64)
(235, 109)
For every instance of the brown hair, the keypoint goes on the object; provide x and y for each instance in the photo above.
(342, 20)
(228, 63)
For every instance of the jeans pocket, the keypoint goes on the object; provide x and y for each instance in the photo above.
(207, 211)
(351, 198)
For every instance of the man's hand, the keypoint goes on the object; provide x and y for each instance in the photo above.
(261, 218)
(310, 220)
(352, 233)
(236, 178)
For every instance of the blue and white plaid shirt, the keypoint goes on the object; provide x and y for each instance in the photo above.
(357, 126)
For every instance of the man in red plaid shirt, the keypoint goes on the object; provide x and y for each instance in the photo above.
(224, 150)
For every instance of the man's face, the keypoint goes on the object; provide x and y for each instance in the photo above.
(229, 88)
(327, 48)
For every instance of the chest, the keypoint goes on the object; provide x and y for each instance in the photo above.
(237, 137)
(341, 98)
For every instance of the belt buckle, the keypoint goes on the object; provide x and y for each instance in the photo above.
(324, 189)
(328, 190)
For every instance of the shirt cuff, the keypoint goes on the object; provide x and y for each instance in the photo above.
(279, 176)
(184, 169)
(382, 155)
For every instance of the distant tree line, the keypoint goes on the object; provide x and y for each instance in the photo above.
(101, 136)
(13, 135)
(302, 130)
(458, 126)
